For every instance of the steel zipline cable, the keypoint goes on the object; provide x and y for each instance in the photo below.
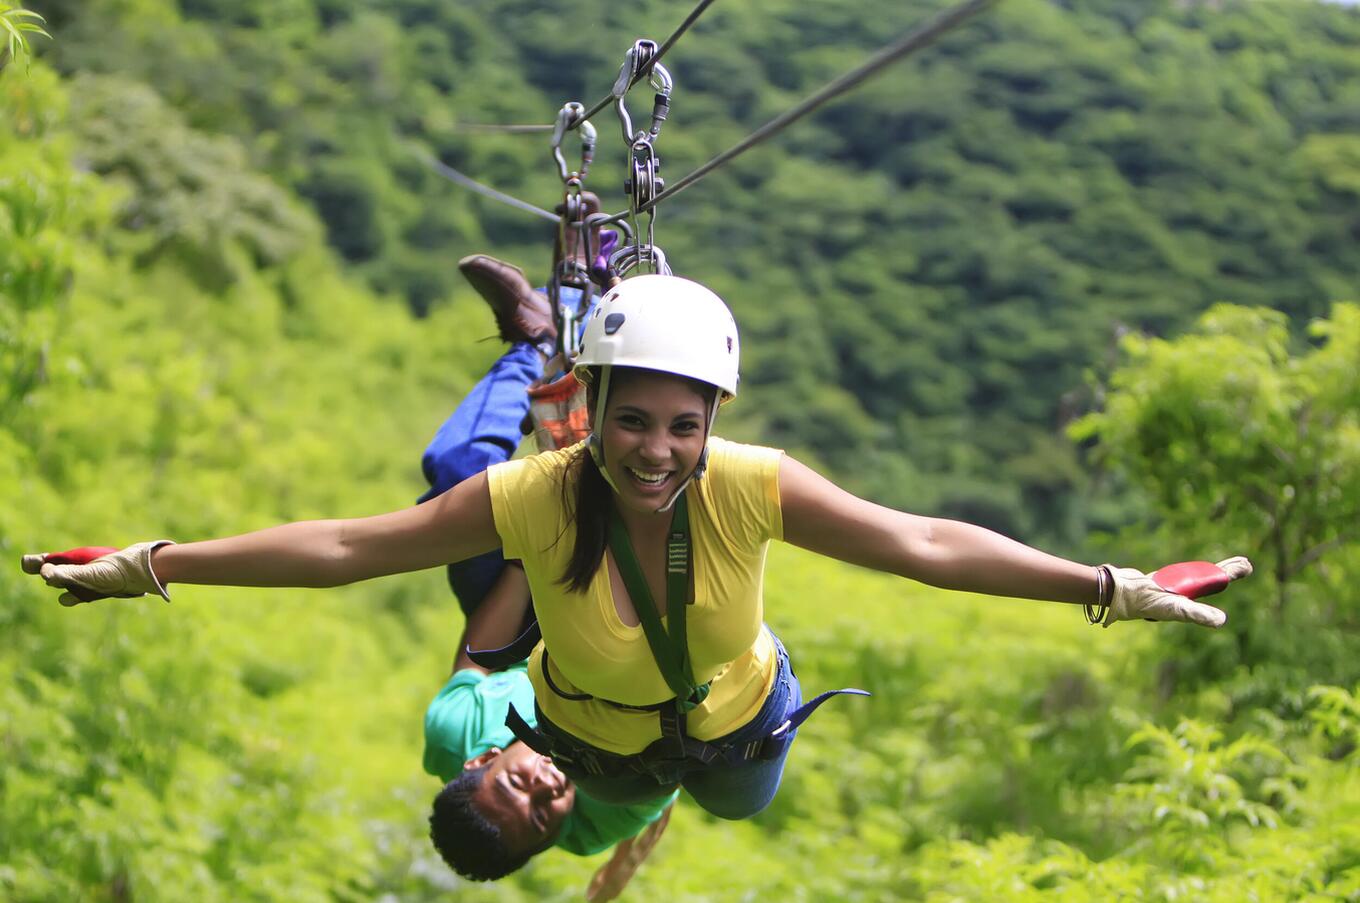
(656, 58)
(608, 99)
(468, 182)
(512, 129)
(909, 43)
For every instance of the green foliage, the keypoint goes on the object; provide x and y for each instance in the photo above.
(1188, 781)
(1336, 719)
(931, 263)
(153, 753)
(16, 26)
(1245, 439)
(928, 269)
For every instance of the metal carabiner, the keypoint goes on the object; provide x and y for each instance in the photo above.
(570, 114)
(659, 77)
(626, 259)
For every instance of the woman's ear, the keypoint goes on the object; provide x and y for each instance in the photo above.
(485, 758)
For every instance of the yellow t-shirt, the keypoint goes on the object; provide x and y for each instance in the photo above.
(734, 513)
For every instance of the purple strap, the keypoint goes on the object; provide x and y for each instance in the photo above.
(599, 270)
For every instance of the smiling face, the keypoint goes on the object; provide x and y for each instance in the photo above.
(524, 795)
(655, 427)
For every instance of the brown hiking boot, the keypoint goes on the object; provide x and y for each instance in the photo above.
(522, 314)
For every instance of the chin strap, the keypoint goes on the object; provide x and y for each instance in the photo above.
(593, 442)
(703, 457)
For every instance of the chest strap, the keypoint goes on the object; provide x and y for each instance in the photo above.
(670, 648)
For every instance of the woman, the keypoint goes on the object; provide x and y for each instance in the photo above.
(653, 516)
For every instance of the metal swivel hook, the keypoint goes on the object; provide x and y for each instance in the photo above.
(659, 78)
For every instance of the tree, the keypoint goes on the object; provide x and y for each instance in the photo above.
(1243, 438)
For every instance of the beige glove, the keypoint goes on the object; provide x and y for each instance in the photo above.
(1138, 595)
(123, 574)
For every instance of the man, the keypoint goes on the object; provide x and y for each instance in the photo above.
(503, 803)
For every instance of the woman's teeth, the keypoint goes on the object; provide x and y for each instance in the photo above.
(650, 479)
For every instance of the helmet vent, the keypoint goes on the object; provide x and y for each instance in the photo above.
(612, 323)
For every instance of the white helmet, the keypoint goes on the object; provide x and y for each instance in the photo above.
(662, 323)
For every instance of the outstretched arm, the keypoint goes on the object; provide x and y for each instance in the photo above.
(820, 516)
(457, 525)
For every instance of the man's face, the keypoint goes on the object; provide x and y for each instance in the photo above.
(523, 794)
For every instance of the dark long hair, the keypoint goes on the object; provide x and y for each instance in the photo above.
(590, 502)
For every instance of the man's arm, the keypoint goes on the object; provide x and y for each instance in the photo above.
(612, 877)
(497, 618)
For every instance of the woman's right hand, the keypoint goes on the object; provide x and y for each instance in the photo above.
(91, 573)
(1169, 594)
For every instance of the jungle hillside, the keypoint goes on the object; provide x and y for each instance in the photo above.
(1086, 272)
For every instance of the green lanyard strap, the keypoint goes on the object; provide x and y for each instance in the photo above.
(669, 650)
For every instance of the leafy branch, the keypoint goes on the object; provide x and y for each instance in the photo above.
(16, 25)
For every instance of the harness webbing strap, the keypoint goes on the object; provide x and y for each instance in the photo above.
(676, 753)
(527, 735)
(670, 649)
(505, 656)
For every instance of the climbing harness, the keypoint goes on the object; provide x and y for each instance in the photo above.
(676, 753)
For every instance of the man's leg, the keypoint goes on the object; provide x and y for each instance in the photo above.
(485, 427)
(483, 430)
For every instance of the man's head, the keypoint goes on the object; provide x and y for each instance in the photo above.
(506, 807)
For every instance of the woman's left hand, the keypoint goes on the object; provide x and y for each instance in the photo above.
(1169, 594)
(91, 573)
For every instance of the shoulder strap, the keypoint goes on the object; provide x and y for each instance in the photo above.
(669, 650)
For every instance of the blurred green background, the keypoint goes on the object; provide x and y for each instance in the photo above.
(1085, 272)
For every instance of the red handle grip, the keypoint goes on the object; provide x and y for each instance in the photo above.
(82, 555)
(1192, 578)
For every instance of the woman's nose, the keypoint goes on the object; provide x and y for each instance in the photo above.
(655, 448)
